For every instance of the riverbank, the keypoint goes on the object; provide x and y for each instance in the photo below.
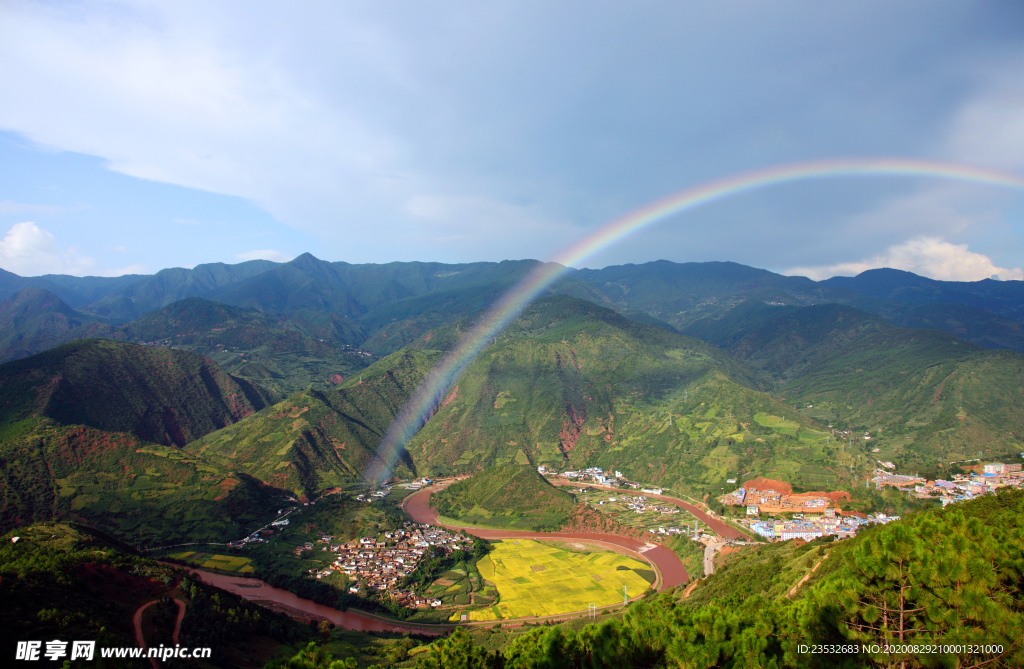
(667, 565)
(720, 527)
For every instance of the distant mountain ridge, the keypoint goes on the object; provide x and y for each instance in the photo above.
(383, 307)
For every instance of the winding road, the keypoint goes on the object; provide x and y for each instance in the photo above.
(137, 621)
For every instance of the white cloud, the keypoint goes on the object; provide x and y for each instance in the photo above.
(266, 254)
(8, 207)
(927, 256)
(333, 118)
(29, 250)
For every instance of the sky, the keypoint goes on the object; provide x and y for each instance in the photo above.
(136, 136)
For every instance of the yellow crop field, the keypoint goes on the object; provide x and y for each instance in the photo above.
(537, 580)
(211, 561)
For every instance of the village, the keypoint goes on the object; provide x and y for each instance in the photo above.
(962, 487)
(813, 515)
(381, 563)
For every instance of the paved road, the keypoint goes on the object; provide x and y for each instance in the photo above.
(709, 558)
(668, 565)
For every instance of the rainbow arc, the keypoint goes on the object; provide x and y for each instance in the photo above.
(429, 393)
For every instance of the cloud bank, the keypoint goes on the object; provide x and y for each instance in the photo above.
(29, 250)
(928, 256)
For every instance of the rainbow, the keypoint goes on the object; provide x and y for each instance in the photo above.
(429, 393)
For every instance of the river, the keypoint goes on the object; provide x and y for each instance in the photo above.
(669, 565)
(670, 568)
(256, 590)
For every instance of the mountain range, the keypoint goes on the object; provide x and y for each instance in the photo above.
(262, 381)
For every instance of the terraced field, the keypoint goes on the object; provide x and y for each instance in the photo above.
(212, 561)
(534, 579)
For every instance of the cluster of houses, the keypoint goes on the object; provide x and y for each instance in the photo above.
(380, 563)
(963, 487)
(772, 501)
(163, 342)
(595, 474)
(810, 527)
(640, 504)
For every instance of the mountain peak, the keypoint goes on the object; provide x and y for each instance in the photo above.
(307, 259)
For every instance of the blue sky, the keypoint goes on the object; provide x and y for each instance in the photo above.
(141, 135)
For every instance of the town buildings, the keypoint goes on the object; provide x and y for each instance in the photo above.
(381, 563)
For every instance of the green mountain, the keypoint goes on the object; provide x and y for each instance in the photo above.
(286, 356)
(682, 294)
(143, 493)
(927, 397)
(394, 303)
(570, 384)
(977, 326)
(1004, 298)
(803, 338)
(506, 496)
(316, 440)
(275, 353)
(170, 285)
(92, 431)
(34, 320)
(76, 291)
(157, 394)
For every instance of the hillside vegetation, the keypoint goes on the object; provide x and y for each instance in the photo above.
(506, 496)
(34, 320)
(571, 384)
(67, 581)
(315, 440)
(157, 394)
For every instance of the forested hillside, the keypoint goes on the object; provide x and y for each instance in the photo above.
(314, 440)
(157, 394)
(570, 384)
(65, 581)
(507, 496)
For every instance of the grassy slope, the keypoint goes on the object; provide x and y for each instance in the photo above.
(79, 427)
(144, 493)
(315, 440)
(570, 383)
(508, 496)
(933, 396)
